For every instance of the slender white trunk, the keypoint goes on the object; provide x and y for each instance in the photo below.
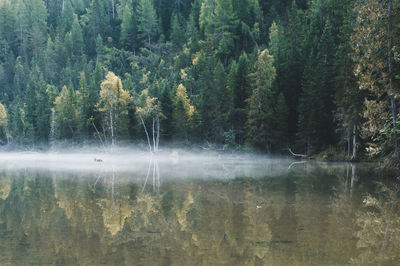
(154, 141)
(158, 132)
(154, 176)
(348, 145)
(111, 123)
(104, 132)
(158, 176)
(353, 177)
(63, 4)
(112, 186)
(98, 133)
(147, 176)
(147, 134)
(354, 144)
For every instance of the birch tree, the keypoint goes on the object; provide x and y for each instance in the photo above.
(149, 108)
(113, 102)
(3, 119)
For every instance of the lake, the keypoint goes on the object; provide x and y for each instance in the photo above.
(194, 209)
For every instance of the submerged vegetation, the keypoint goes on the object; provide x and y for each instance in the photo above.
(268, 74)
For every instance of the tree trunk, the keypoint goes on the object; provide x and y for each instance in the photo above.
(154, 176)
(98, 133)
(63, 4)
(391, 93)
(353, 177)
(158, 132)
(147, 176)
(147, 134)
(354, 143)
(348, 145)
(111, 123)
(154, 140)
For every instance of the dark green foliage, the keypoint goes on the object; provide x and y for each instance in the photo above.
(204, 61)
(128, 36)
(316, 107)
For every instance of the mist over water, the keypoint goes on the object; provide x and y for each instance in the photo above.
(180, 207)
(172, 163)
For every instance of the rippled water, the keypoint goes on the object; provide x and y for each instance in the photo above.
(194, 210)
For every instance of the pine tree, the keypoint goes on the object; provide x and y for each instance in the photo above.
(239, 87)
(76, 37)
(218, 100)
(177, 34)
(310, 106)
(37, 16)
(219, 23)
(95, 24)
(66, 112)
(260, 113)
(348, 98)
(147, 21)
(274, 40)
(84, 107)
(128, 29)
(290, 66)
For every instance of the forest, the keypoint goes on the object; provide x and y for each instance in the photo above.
(231, 74)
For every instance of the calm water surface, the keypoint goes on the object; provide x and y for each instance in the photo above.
(215, 211)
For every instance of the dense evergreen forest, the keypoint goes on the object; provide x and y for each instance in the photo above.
(259, 74)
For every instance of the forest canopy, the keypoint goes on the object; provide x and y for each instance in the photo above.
(235, 73)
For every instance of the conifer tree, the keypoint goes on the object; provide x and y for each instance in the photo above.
(147, 21)
(177, 34)
(239, 84)
(183, 113)
(76, 37)
(66, 112)
(128, 29)
(260, 111)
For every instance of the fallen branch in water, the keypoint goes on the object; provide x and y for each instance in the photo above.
(296, 154)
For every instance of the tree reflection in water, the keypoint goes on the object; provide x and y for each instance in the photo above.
(313, 214)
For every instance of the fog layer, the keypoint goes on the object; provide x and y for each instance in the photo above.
(168, 163)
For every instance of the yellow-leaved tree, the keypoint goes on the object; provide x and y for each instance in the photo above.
(3, 120)
(183, 112)
(149, 108)
(114, 104)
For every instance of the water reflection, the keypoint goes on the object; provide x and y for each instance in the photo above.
(311, 214)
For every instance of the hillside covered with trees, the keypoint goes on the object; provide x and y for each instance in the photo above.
(261, 74)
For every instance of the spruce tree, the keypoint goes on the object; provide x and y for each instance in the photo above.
(147, 21)
(128, 30)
